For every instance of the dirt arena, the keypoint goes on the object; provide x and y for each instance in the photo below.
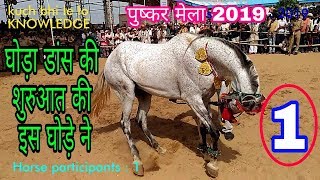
(174, 128)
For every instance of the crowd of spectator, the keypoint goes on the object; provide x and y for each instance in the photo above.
(272, 36)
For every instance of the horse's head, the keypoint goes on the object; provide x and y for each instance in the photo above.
(251, 103)
(245, 85)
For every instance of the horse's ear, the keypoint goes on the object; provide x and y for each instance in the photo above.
(248, 62)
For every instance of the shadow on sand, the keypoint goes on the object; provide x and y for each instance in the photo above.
(177, 130)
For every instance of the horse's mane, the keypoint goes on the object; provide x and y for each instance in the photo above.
(243, 57)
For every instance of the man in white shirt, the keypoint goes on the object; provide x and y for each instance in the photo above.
(282, 31)
(161, 34)
(225, 28)
(282, 25)
(192, 29)
(197, 29)
(109, 36)
(144, 35)
(123, 36)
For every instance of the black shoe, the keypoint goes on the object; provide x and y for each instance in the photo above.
(229, 136)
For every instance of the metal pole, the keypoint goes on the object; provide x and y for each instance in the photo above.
(108, 13)
(89, 11)
(7, 6)
(40, 5)
(51, 26)
(119, 11)
(68, 6)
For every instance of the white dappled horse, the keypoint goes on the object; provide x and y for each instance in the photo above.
(170, 70)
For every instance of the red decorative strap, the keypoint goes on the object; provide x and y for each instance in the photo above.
(228, 115)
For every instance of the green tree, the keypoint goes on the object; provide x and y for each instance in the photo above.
(287, 4)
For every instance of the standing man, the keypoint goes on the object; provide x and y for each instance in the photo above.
(295, 34)
(305, 27)
(244, 36)
(282, 31)
(273, 25)
(254, 37)
(234, 34)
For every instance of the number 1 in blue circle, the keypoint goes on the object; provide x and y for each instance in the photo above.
(289, 140)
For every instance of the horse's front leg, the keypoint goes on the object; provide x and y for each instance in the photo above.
(197, 105)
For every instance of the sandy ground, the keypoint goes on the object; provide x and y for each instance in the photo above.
(174, 128)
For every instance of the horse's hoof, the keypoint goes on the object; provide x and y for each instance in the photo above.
(137, 168)
(212, 168)
(229, 136)
(161, 150)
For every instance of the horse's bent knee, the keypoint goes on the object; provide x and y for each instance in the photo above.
(215, 134)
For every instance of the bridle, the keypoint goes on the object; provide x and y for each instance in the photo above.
(245, 102)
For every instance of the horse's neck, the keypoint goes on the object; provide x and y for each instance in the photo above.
(241, 81)
(233, 68)
(247, 80)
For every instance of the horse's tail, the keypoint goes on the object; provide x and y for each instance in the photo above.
(100, 95)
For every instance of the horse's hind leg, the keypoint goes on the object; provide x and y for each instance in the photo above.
(144, 99)
(203, 136)
(126, 95)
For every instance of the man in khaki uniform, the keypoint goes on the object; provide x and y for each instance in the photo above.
(296, 26)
